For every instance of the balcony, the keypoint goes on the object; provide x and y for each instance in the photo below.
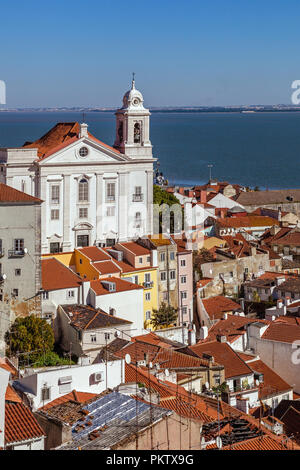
(148, 284)
(137, 197)
(16, 253)
(242, 389)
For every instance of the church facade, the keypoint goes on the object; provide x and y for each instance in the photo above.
(92, 194)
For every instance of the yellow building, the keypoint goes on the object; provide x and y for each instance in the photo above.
(127, 261)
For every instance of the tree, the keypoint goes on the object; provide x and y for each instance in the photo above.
(164, 316)
(29, 334)
(160, 196)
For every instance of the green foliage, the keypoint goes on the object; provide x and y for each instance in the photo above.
(29, 334)
(223, 387)
(51, 359)
(164, 317)
(160, 197)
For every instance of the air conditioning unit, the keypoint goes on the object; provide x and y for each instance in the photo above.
(98, 377)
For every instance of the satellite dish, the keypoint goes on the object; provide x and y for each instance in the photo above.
(167, 372)
(117, 334)
(207, 385)
(4, 276)
(128, 359)
(219, 442)
(150, 365)
(25, 251)
(257, 382)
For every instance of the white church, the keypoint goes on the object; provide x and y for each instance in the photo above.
(93, 194)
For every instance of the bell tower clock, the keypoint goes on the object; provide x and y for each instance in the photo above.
(132, 126)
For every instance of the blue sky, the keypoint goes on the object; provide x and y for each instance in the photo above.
(192, 52)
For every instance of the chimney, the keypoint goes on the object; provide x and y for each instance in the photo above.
(203, 196)
(203, 332)
(253, 250)
(221, 338)
(4, 378)
(279, 303)
(83, 130)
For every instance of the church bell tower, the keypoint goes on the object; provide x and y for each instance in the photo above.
(132, 126)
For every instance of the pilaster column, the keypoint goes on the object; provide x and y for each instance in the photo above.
(123, 198)
(149, 202)
(45, 199)
(66, 244)
(99, 208)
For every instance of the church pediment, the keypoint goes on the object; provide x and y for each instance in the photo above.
(84, 151)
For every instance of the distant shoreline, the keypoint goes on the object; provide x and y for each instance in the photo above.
(241, 110)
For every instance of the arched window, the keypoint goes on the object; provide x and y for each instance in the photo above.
(83, 190)
(137, 133)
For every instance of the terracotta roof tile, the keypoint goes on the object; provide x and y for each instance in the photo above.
(106, 267)
(135, 248)
(247, 221)
(121, 285)
(225, 355)
(83, 317)
(272, 382)
(8, 194)
(282, 332)
(20, 424)
(56, 275)
(94, 253)
(216, 306)
(58, 137)
(78, 397)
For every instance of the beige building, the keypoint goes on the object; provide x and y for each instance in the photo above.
(20, 248)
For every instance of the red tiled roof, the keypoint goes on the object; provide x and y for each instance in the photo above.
(8, 194)
(56, 275)
(6, 364)
(247, 221)
(79, 397)
(232, 327)
(94, 253)
(58, 137)
(135, 248)
(20, 424)
(152, 338)
(11, 395)
(216, 306)
(291, 239)
(121, 286)
(272, 382)
(84, 317)
(203, 282)
(225, 355)
(282, 332)
(107, 267)
(265, 442)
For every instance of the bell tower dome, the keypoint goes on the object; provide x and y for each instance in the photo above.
(132, 126)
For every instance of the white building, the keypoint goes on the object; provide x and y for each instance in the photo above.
(45, 385)
(92, 193)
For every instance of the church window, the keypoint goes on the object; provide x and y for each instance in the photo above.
(83, 190)
(137, 133)
(83, 151)
(55, 194)
(83, 212)
(110, 212)
(110, 192)
(54, 214)
(138, 219)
